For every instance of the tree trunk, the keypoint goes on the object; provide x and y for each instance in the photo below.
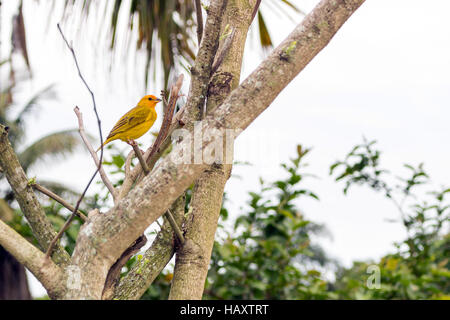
(13, 279)
(192, 261)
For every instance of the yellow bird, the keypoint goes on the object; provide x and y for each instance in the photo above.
(135, 122)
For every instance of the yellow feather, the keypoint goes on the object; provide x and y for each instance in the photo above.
(136, 122)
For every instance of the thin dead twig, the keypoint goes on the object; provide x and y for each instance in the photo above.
(94, 156)
(138, 153)
(198, 11)
(255, 10)
(74, 212)
(57, 198)
(175, 226)
(167, 121)
(128, 163)
(153, 152)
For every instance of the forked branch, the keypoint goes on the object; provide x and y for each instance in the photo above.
(99, 164)
(94, 156)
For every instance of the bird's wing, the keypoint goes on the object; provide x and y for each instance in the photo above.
(131, 119)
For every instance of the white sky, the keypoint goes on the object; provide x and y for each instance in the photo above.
(385, 75)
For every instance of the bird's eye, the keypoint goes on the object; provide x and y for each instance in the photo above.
(150, 99)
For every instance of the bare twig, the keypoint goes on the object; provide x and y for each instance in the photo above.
(198, 11)
(174, 226)
(66, 225)
(128, 163)
(94, 156)
(89, 89)
(167, 121)
(153, 153)
(57, 198)
(177, 118)
(138, 154)
(255, 10)
(61, 231)
(130, 176)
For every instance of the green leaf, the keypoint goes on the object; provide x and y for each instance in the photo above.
(118, 161)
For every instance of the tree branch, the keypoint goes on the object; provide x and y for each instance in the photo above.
(155, 258)
(151, 198)
(114, 272)
(201, 71)
(94, 156)
(152, 153)
(30, 206)
(138, 154)
(167, 121)
(192, 262)
(174, 225)
(43, 269)
(255, 10)
(99, 164)
(192, 259)
(198, 11)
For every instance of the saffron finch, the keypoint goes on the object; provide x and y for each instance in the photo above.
(135, 122)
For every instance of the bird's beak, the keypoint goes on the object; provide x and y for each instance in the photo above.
(158, 100)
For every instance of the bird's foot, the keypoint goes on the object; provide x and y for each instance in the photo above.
(131, 142)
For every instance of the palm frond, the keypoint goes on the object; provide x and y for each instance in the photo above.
(18, 37)
(6, 212)
(167, 26)
(171, 22)
(46, 93)
(54, 145)
(264, 36)
(263, 30)
(293, 7)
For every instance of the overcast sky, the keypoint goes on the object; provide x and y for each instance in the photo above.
(385, 75)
